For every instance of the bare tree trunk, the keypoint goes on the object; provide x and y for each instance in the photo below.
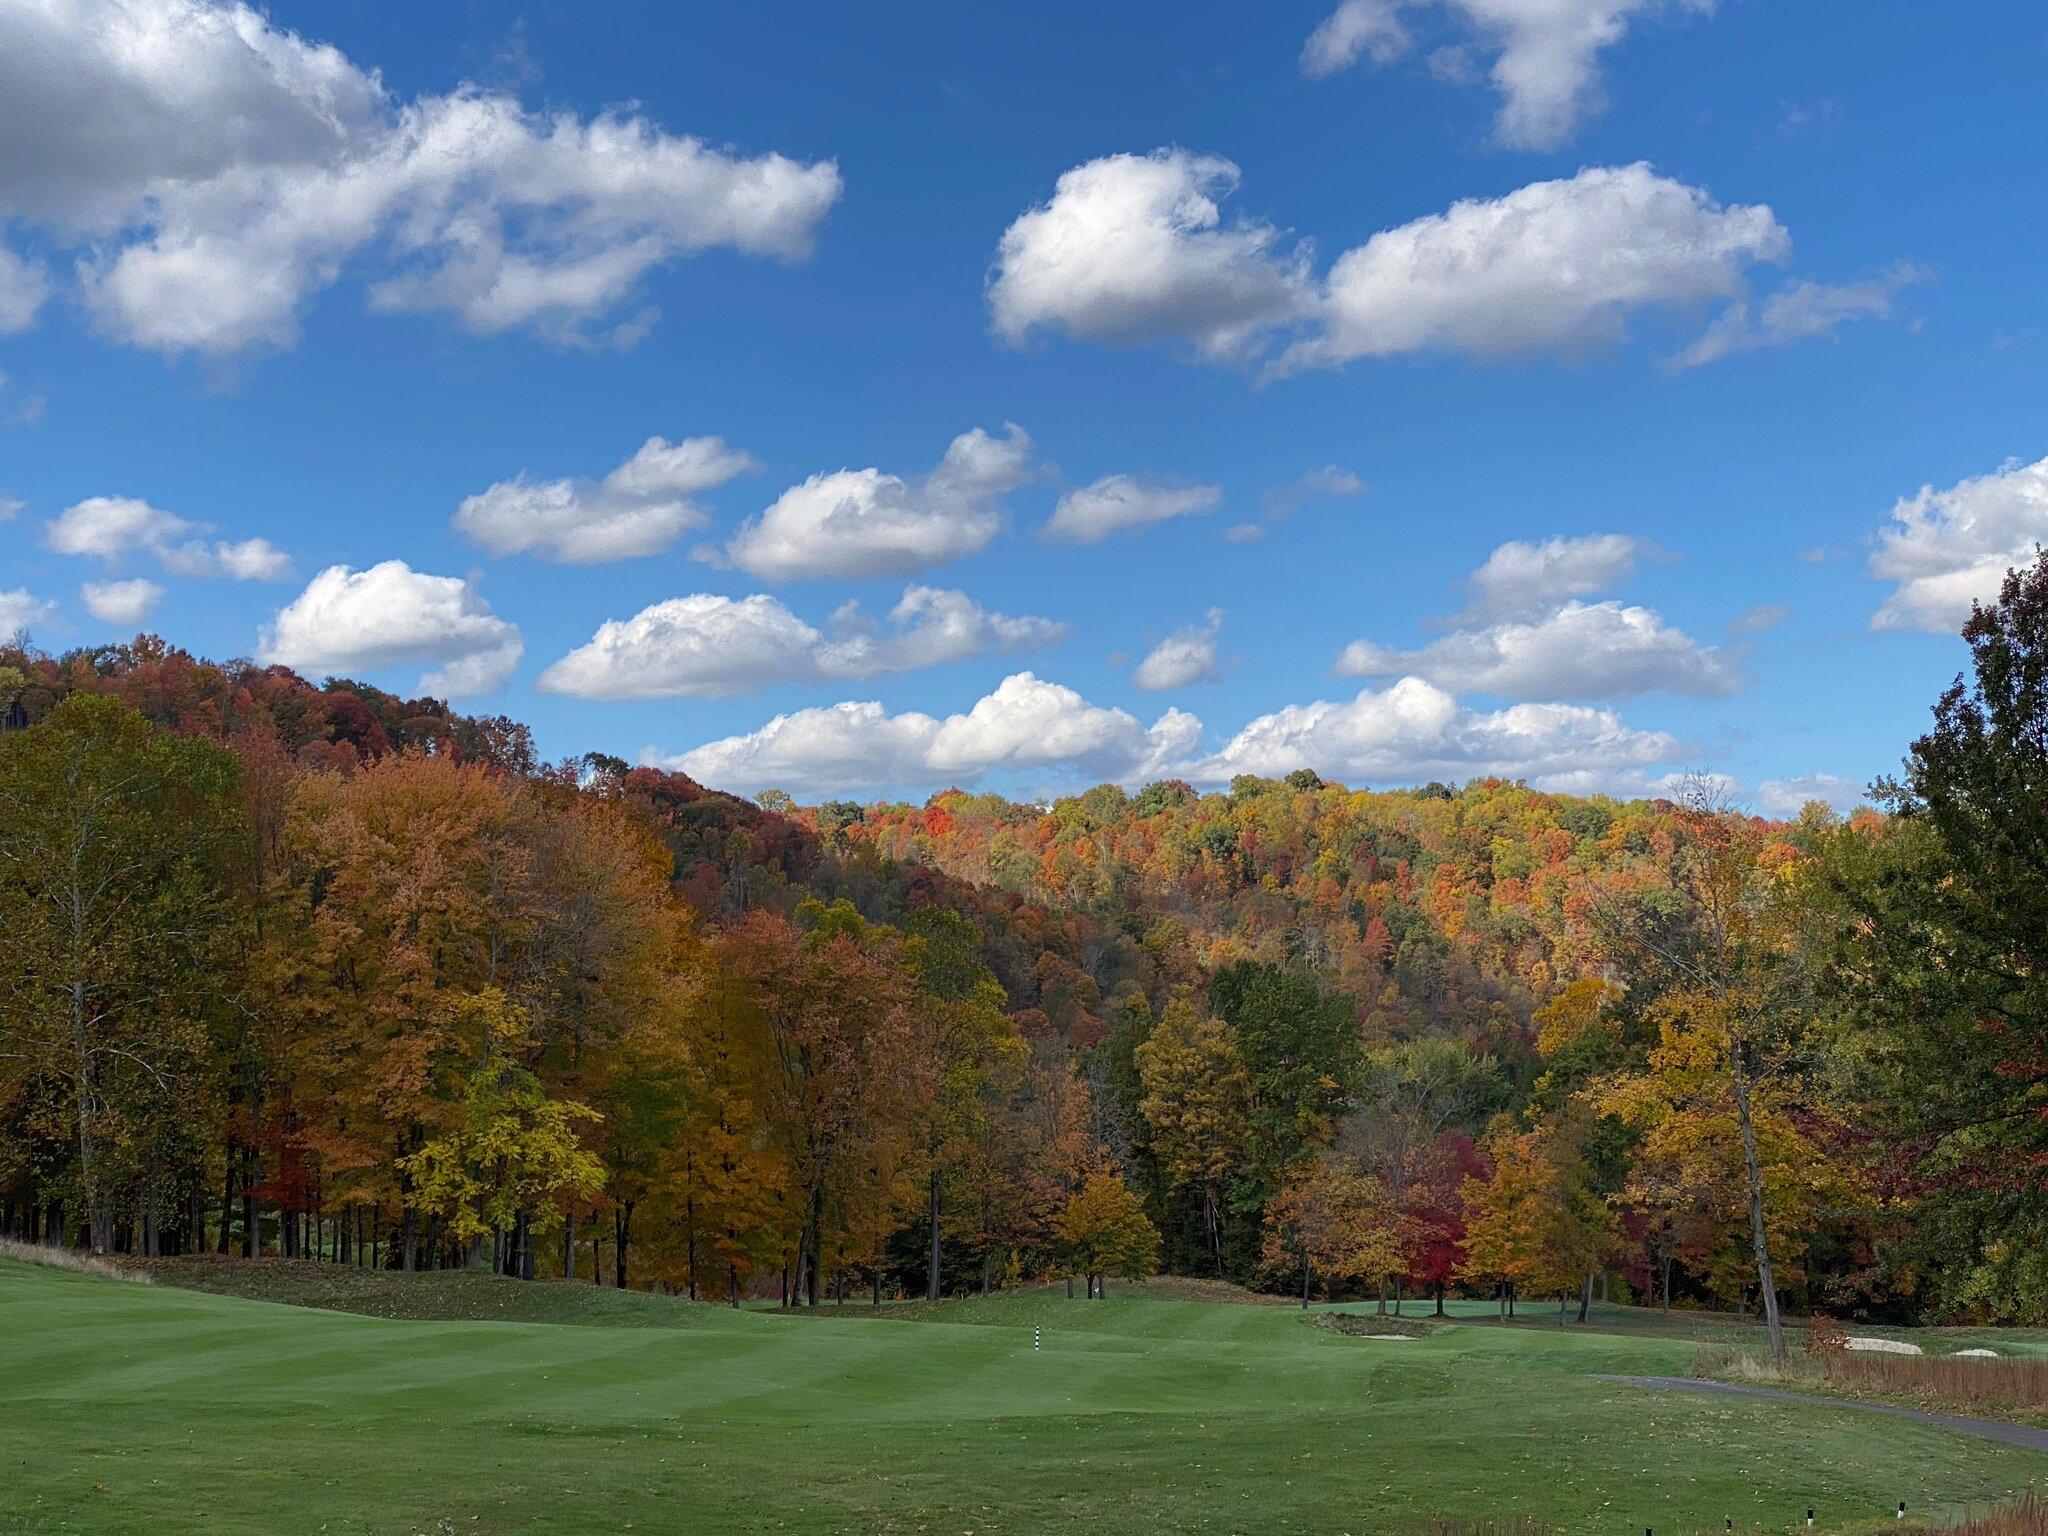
(1586, 1298)
(931, 1282)
(1753, 1171)
(227, 1197)
(690, 1217)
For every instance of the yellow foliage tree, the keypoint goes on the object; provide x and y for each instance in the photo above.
(1331, 1219)
(1106, 1232)
(1688, 1169)
(1196, 1096)
(515, 1151)
(1538, 1225)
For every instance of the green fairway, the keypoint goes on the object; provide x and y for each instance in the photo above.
(129, 1408)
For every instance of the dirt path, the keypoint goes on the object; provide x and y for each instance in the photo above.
(1985, 1429)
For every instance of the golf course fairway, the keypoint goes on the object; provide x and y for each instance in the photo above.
(148, 1408)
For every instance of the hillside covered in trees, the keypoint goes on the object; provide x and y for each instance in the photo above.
(318, 971)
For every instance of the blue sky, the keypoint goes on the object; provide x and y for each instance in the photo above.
(1849, 209)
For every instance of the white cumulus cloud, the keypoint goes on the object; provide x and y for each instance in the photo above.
(1546, 53)
(1554, 266)
(637, 509)
(110, 527)
(1414, 731)
(1525, 577)
(389, 615)
(1607, 650)
(1120, 504)
(1026, 725)
(1135, 248)
(706, 646)
(1949, 548)
(20, 612)
(107, 527)
(1183, 658)
(121, 602)
(863, 522)
(216, 171)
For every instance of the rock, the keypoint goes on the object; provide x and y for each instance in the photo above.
(1883, 1346)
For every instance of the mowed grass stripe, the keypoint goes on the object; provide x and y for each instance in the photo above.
(131, 1408)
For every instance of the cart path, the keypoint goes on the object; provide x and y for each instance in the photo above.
(1987, 1429)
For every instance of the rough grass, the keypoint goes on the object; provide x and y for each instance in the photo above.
(65, 1258)
(170, 1411)
(449, 1295)
(1995, 1388)
(2025, 1517)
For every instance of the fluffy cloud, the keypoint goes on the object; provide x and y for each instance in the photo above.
(1414, 731)
(705, 646)
(109, 527)
(637, 509)
(1546, 53)
(23, 288)
(1554, 266)
(862, 522)
(1949, 548)
(220, 170)
(1025, 725)
(348, 620)
(1524, 578)
(1581, 651)
(1800, 311)
(1135, 248)
(121, 602)
(20, 612)
(1120, 504)
(1785, 798)
(1183, 658)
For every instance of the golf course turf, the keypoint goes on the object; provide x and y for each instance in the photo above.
(131, 1408)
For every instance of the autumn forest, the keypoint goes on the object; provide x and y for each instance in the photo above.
(312, 971)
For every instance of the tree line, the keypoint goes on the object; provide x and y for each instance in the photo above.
(324, 973)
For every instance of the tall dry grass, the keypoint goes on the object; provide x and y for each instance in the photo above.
(66, 1258)
(2027, 1517)
(2007, 1384)
(1994, 1386)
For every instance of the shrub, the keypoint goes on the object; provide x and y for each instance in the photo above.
(1826, 1337)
